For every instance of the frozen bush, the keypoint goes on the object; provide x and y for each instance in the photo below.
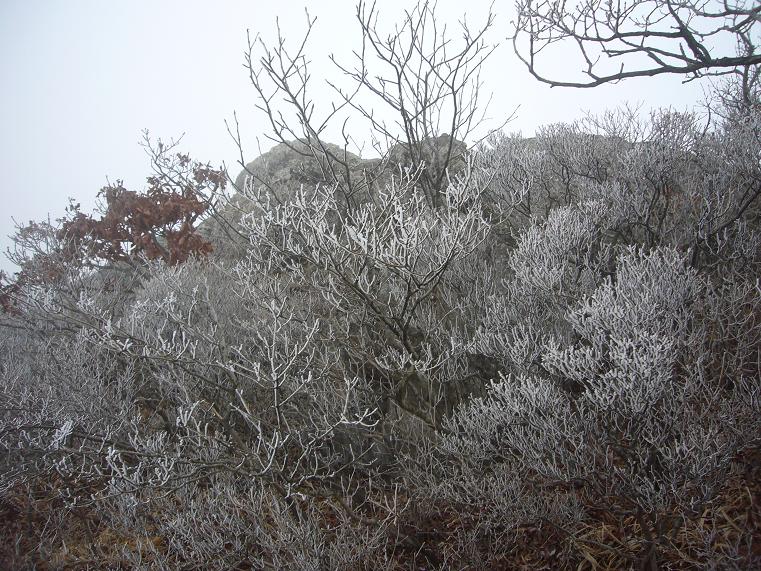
(443, 361)
(624, 413)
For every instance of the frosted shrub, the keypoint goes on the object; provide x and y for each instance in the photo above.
(632, 328)
(63, 400)
(453, 369)
(666, 180)
(553, 263)
(622, 413)
(388, 275)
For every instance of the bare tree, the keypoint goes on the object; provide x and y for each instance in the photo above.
(417, 89)
(639, 38)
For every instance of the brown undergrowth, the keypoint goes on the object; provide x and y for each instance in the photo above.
(38, 530)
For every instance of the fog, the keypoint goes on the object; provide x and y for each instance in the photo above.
(83, 78)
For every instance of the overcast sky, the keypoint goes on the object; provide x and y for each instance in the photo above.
(81, 79)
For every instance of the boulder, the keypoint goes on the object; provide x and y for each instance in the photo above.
(280, 172)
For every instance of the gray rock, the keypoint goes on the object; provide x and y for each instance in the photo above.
(280, 172)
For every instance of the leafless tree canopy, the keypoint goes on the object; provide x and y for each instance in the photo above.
(413, 92)
(637, 38)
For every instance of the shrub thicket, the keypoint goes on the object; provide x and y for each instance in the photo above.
(532, 353)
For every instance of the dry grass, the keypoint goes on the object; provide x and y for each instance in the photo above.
(726, 535)
(38, 531)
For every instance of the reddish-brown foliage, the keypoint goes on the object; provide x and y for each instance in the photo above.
(7, 289)
(159, 223)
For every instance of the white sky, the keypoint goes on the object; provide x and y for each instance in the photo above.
(80, 80)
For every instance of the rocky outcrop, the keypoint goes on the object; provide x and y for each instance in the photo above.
(280, 172)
